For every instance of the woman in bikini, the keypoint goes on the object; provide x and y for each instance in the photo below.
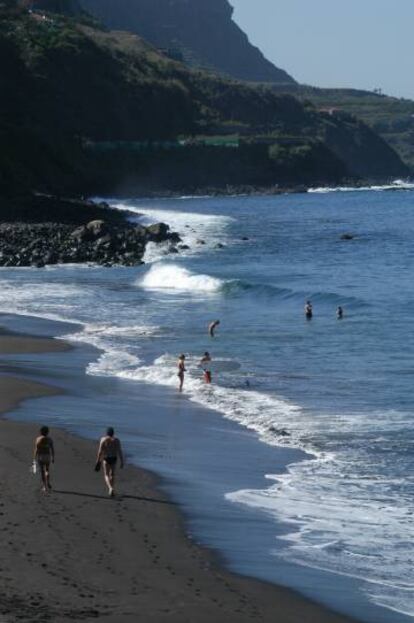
(181, 371)
(109, 451)
(44, 454)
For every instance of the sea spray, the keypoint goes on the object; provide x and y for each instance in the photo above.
(174, 277)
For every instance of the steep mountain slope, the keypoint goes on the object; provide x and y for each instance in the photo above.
(202, 31)
(89, 111)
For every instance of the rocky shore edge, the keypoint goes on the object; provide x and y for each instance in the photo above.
(66, 236)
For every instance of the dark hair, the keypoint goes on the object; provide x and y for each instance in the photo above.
(44, 431)
(110, 431)
(206, 354)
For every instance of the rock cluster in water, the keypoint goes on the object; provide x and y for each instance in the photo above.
(100, 242)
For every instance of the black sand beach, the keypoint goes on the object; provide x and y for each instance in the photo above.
(77, 555)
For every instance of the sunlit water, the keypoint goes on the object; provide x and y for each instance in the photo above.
(342, 390)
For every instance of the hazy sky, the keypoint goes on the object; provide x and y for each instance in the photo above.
(364, 44)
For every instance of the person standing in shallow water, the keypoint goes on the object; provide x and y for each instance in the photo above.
(181, 371)
(339, 312)
(44, 454)
(109, 451)
(308, 310)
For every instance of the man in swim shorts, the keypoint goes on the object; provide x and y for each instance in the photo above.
(44, 454)
(205, 365)
(109, 451)
(212, 327)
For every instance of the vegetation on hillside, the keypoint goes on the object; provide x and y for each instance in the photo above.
(390, 117)
(71, 89)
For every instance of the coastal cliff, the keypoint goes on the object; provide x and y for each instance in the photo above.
(202, 32)
(86, 111)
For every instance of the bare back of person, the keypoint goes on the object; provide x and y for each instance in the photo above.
(108, 453)
(110, 448)
(44, 454)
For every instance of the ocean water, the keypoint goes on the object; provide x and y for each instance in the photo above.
(340, 390)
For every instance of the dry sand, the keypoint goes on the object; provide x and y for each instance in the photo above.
(77, 555)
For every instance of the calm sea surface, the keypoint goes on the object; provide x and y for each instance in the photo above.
(340, 389)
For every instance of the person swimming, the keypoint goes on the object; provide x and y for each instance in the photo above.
(339, 312)
(212, 327)
(181, 371)
(308, 310)
(205, 365)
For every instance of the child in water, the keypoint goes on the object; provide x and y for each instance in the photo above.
(205, 365)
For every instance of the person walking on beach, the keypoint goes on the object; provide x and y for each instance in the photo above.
(44, 454)
(109, 451)
(205, 365)
(339, 312)
(212, 327)
(181, 371)
(308, 310)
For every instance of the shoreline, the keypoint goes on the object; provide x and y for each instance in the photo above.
(171, 556)
(253, 191)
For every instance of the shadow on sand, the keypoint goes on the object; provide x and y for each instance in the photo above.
(117, 497)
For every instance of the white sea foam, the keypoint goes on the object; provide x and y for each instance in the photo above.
(264, 414)
(112, 362)
(173, 277)
(104, 336)
(378, 528)
(104, 329)
(396, 185)
(44, 300)
(193, 228)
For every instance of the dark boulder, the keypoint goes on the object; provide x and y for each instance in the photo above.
(97, 228)
(158, 232)
(80, 234)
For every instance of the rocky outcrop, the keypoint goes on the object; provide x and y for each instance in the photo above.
(202, 32)
(100, 242)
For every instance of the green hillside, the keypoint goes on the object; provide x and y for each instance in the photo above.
(86, 110)
(391, 117)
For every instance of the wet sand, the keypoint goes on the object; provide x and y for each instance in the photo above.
(15, 344)
(77, 555)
